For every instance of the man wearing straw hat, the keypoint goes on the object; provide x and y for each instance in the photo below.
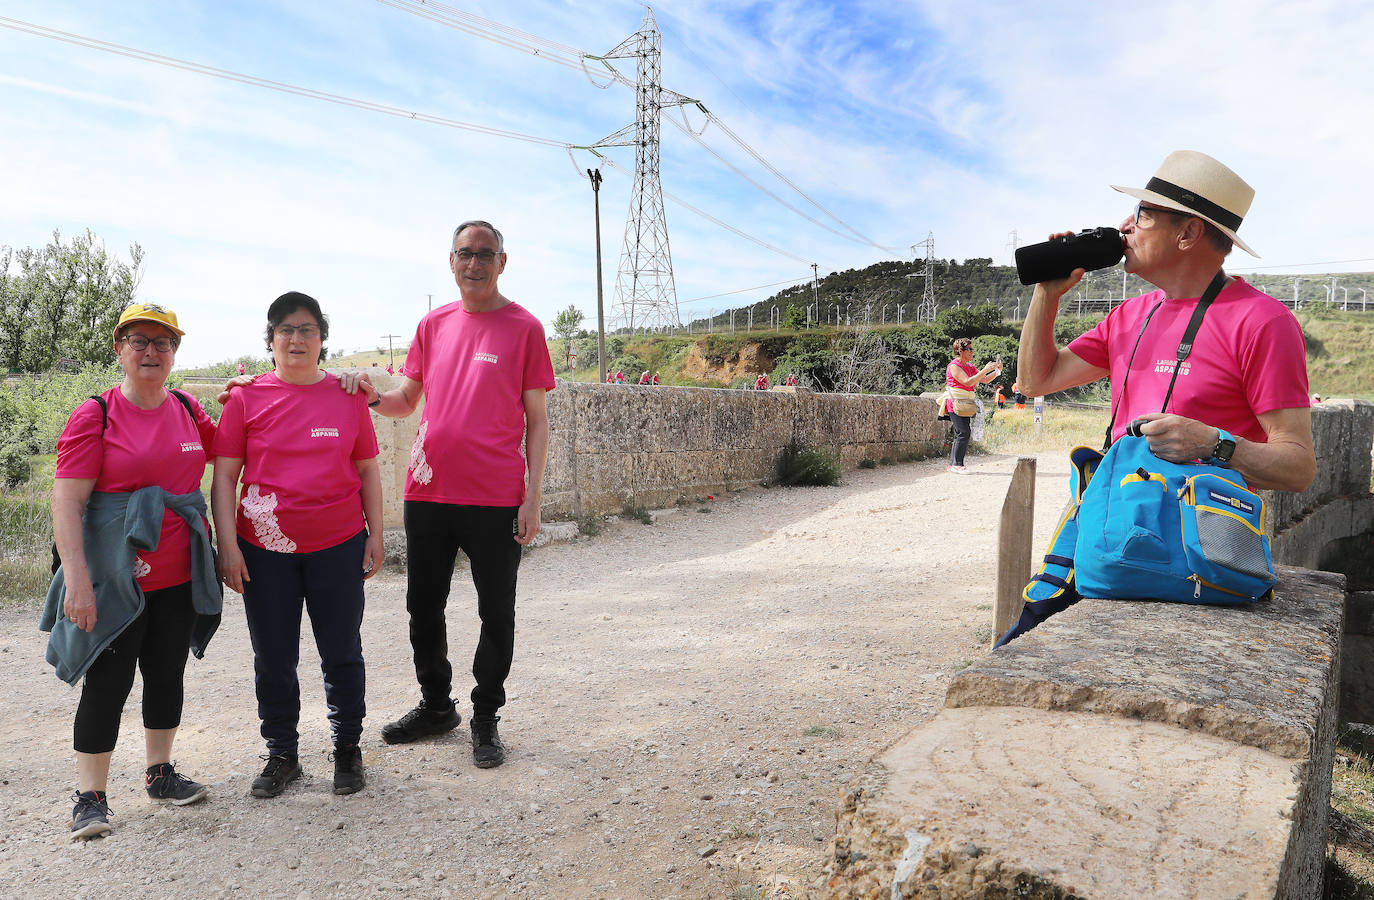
(1240, 399)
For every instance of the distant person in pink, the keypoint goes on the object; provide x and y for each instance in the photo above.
(962, 378)
(133, 457)
(483, 368)
(309, 527)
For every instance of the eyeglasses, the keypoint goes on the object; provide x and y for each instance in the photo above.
(1153, 211)
(485, 257)
(305, 331)
(140, 342)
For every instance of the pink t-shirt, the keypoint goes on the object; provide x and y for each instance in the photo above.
(140, 448)
(299, 444)
(1249, 357)
(474, 368)
(968, 369)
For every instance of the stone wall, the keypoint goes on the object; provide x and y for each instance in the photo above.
(1122, 749)
(613, 445)
(1306, 528)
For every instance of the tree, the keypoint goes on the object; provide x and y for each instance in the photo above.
(795, 318)
(566, 323)
(62, 306)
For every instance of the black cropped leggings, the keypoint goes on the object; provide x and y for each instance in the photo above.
(157, 642)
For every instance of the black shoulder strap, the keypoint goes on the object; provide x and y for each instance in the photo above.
(1185, 347)
(104, 412)
(185, 403)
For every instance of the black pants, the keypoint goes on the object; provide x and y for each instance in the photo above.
(435, 532)
(962, 428)
(329, 583)
(157, 642)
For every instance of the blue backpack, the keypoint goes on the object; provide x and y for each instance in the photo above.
(1153, 529)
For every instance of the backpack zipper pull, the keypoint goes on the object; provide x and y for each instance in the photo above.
(1197, 586)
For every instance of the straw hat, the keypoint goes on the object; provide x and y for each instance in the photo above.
(148, 312)
(1195, 183)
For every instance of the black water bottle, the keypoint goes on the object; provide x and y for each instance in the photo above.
(1091, 248)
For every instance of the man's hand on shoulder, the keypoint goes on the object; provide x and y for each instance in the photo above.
(1178, 438)
(237, 381)
(358, 380)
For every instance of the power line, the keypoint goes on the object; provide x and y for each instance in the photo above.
(281, 87)
(512, 38)
(572, 57)
(705, 215)
(743, 290)
(1329, 262)
(731, 166)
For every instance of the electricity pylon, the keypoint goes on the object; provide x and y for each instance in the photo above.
(645, 296)
(926, 311)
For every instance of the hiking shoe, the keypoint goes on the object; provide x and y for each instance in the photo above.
(91, 815)
(348, 769)
(280, 771)
(487, 750)
(420, 722)
(164, 783)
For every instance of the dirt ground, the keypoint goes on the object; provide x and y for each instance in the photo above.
(688, 702)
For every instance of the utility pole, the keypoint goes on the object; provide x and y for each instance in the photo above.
(431, 302)
(390, 348)
(815, 293)
(595, 176)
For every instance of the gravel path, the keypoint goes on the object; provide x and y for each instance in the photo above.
(688, 702)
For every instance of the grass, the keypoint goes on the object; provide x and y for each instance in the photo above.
(803, 464)
(1014, 431)
(26, 536)
(822, 731)
(633, 509)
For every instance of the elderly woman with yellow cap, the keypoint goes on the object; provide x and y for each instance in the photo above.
(136, 583)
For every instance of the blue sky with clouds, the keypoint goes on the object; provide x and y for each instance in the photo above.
(968, 120)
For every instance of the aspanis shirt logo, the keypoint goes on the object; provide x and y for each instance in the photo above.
(324, 432)
(190, 446)
(484, 357)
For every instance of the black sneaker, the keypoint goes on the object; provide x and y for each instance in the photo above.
(91, 815)
(420, 722)
(163, 783)
(487, 750)
(348, 769)
(280, 771)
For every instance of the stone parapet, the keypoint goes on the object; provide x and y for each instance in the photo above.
(611, 446)
(1122, 749)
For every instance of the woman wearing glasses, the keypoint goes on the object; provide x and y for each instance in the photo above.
(136, 583)
(309, 525)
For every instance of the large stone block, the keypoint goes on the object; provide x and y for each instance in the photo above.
(1119, 750)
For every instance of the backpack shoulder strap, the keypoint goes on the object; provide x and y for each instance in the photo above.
(185, 403)
(1185, 347)
(104, 412)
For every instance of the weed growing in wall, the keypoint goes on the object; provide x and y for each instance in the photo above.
(802, 464)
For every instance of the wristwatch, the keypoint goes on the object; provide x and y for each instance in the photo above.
(1221, 453)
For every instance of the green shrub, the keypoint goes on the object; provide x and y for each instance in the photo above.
(14, 465)
(802, 464)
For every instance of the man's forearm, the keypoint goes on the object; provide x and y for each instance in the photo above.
(1037, 351)
(1277, 465)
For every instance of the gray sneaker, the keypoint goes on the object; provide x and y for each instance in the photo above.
(91, 815)
(164, 783)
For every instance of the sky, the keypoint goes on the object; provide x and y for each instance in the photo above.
(966, 121)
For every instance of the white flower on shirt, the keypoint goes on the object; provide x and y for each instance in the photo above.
(141, 567)
(260, 508)
(419, 466)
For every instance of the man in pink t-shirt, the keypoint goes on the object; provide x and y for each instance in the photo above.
(1240, 399)
(483, 368)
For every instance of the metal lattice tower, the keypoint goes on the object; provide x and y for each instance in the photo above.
(645, 296)
(926, 311)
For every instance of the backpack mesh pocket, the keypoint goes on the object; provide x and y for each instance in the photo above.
(1227, 541)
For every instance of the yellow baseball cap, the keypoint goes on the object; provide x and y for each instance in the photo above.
(148, 312)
